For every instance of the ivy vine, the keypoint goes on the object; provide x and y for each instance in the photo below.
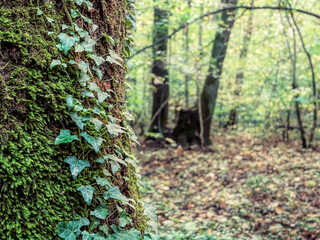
(76, 39)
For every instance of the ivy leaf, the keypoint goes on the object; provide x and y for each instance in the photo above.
(86, 235)
(65, 232)
(95, 142)
(88, 44)
(78, 48)
(83, 67)
(66, 41)
(103, 182)
(94, 224)
(104, 228)
(99, 111)
(74, 13)
(50, 20)
(80, 121)
(98, 60)
(114, 167)
(87, 193)
(39, 12)
(132, 234)
(87, 93)
(114, 192)
(114, 129)
(115, 158)
(106, 173)
(65, 137)
(93, 87)
(97, 123)
(57, 63)
(76, 166)
(64, 27)
(100, 236)
(98, 72)
(71, 230)
(110, 39)
(100, 212)
(84, 79)
(102, 96)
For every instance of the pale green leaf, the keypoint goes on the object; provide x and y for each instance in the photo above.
(57, 63)
(100, 212)
(87, 193)
(97, 123)
(114, 192)
(76, 166)
(102, 96)
(65, 137)
(66, 42)
(95, 142)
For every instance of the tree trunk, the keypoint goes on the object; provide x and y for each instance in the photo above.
(160, 79)
(37, 190)
(211, 86)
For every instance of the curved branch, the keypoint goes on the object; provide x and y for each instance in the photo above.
(182, 26)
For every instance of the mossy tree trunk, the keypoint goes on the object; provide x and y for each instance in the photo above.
(160, 79)
(210, 89)
(36, 187)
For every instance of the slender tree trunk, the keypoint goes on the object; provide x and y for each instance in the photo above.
(293, 57)
(233, 115)
(187, 77)
(160, 79)
(37, 190)
(211, 85)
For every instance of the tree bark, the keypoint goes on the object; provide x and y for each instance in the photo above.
(37, 190)
(160, 73)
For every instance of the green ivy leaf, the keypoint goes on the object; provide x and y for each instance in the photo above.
(100, 212)
(94, 27)
(39, 12)
(71, 230)
(132, 234)
(64, 27)
(98, 72)
(88, 44)
(114, 129)
(65, 232)
(98, 60)
(74, 13)
(57, 63)
(115, 158)
(94, 224)
(87, 93)
(50, 20)
(97, 123)
(114, 167)
(76, 166)
(104, 228)
(124, 219)
(87, 193)
(78, 48)
(114, 192)
(84, 79)
(93, 87)
(100, 236)
(102, 96)
(95, 142)
(65, 137)
(66, 42)
(86, 235)
(103, 182)
(80, 121)
(110, 39)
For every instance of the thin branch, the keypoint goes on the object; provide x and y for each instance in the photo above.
(182, 26)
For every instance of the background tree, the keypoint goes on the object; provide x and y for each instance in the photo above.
(160, 78)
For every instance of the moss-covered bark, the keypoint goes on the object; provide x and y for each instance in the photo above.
(36, 187)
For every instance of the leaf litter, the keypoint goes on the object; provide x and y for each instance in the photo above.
(244, 189)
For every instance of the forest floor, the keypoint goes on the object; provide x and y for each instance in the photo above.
(244, 189)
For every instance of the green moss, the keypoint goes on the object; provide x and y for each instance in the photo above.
(36, 188)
